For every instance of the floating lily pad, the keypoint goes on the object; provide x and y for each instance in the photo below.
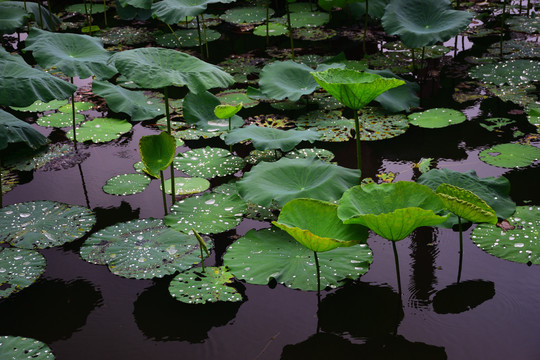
(40, 106)
(101, 130)
(196, 134)
(59, 120)
(188, 38)
(246, 15)
(43, 224)
(313, 34)
(9, 181)
(208, 162)
(126, 35)
(519, 94)
(533, 116)
(321, 154)
(256, 156)
(52, 157)
(243, 68)
(84, 8)
(529, 25)
(378, 125)
(494, 124)
(437, 118)
(519, 244)
(235, 97)
(516, 49)
(21, 348)
(79, 106)
(19, 268)
(510, 155)
(126, 184)
(185, 186)
(511, 72)
(332, 126)
(196, 286)
(264, 138)
(263, 255)
(306, 19)
(208, 214)
(274, 29)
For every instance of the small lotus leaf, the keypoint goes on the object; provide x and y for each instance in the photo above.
(378, 125)
(13, 130)
(519, 244)
(510, 155)
(142, 249)
(314, 34)
(321, 154)
(19, 268)
(465, 204)
(225, 111)
(43, 224)
(494, 124)
(274, 29)
(186, 186)
(235, 97)
(101, 130)
(265, 138)
(199, 110)
(256, 156)
(157, 152)
(59, 120)
(188, 38)
(196, 286)
(22, 348)
(79, 106)
(86, 7)
(518, 94)
(263, 255)
(511, 72)
(437, 118)
(246, 15)
(332, 126)
(126, 184)
(533, 116)
(40, 106)
(307, 19)
(208, 162)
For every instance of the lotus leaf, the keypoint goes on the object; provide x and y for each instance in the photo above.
(207, 214)
(265, 138)
(515, 49)
(157, 152)
(199, 110)
(142, 249)
(274, 29)
(321, 154)
(46, 20)
(225, 111)
(289, 179)
(19, 268)
(401, 98)
(21, 348)
(195, 134)
(13, 130)
(134, 103)
(129, 12)
(40, 106)
(175, 11)
(188, 38)
(198, 286)
(511, 72)
(437, 118)
(392, 210)
(12, 18)
(260, 256)
(396, 61)
(100, 130)
(529, 25)
(377, 125)
(286, 79)
(126, 35)
(246, 15)
(533, 116)
(235, 97)
(51, 157)
(186, 186)
(465, 204)
(59, 120)
(314, 34)
(496, 123)
(256, 156)
(307, 19)
(143, 4)
(331, 124)
(43, 224)
(86, 8)
(208, 162)
(510, 155)
(519, 94)
(126, 184)
(79, 106)
(9, 181)
(424, 22)
(519, 244)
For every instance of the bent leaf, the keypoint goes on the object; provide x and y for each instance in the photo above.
(13, 130)
(157, 152)
(465, 204)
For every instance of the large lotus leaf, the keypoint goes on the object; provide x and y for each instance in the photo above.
(519, 244)
(12, 18)
(511, 72)
(188, 38)
(246, 15)
(315, 225)
(46, 20)
(134, 103)
(157, 152)
(156, 68)
(19, 268)
(174, 11)
(401, 98)
(43, 224)
(287, 79)
(391, 210)
(236, 97)
(263, 255)
(59, 120)
(424, 22)
(73, 54)
(289, 179)
(265, 138)
(495, 191)
(13, 130)
(21, 84)
(185, 186)
(142, 249)
(465, 204)
(196, 286)
(199, 108)
(142, 4)
(126, 184)
(352, 88)
(375, 8)
(437, 118)
(100, 130)
(207, 214)
(208, 162)
(21, 348)
(129, 12)
(510, 155)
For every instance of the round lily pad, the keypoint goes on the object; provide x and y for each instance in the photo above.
(43, 224)
(263, 255)
(321, 154)
(274, 29)
(188, 38)
(126, 184)
(185, 186)
(519, 244)
(510, 155)
(246, 15)
(208, 162)
(437, 118)
(79, 106)
(511, 72)
(311, 34)
(59, 120)
(101, 130)
(21, 348)
(142, 249)
(19, 268)
(235, 97)
(332, 126)
(196, 286)
(307, 19)
(40, 106)
(265, 138)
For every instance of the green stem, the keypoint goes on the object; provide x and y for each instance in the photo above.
(503, 15)
(365, 28)
(200, 39)
(289, 27)
(460, 249)
(169, 131)
(163, 191)
(40, 15)
(50, 13)
(202, 258)
(73, 117)
(1, 185)
(422, 63)
(358, 143)
(105, 12)
(413, 62)
(205, 38)
(174, 34)
(396, 260)
(85, 191)
(318, 276)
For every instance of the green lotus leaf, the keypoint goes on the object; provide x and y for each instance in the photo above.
(533, 116)
(13, 130)
(86, 8)
(175, 11)
(260, 256)
(529, 25)
(125, 35)
(287, 79)
(142, 249)
(40, 106)
(129, 12)
(19, 268)
(100, 130)
(59, 120)
(126, 184)
(79, 106)
(332, 126)
(392, 210)
(73, 54)
(289, 179)
(134, 103)
(21, 84)
(208, 162)
(307, 19)
(235, 97)
(437, 118)
(321, 154)
(401, 98)
(265, 138)
(199, 110)
(224, 111)
(20, 348)
(46, 21)
(496, 123)
(495, 191)
(12, 18)
(519, 244)
(207, 214)
(315, 225)
(465, 204)
(142, 4)
(186, 186)
(157, 152)
(424, 22)
(352, 88)
(246, 15)
(510, 155)
(156, 68)
(51, 157)
(188, 38)
(43, 224)
(375, 8)
(197, 286)
(511, 72)
(274, 29)
(196, 134)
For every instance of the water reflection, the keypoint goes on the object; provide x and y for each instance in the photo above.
(424, 251)
(463, 296)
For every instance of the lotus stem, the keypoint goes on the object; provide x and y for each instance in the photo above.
(413, 62)
(163, 191)
(503, 16)
(73, 117)
(202, 258)
(40, 14)
(460, 249)
(105, 12)
(318, 276)
(50, 13)
(200, 39)
(205, 38)
(365, 28)
(422, 63)
(396, 260)
(174, 34)
(289, 27)
(267, 24)
(169, 131)
(1, 184)
(358, 144)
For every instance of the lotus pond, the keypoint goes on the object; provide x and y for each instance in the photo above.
(359, 179)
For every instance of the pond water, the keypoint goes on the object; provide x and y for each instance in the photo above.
(83, 311)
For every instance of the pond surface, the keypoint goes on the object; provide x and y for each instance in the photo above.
(83, 311)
